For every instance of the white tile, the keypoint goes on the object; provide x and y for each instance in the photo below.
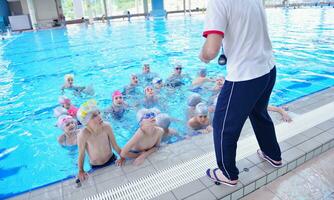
(130, 168)
(261, 194)
(107, 175)
(141, 173)
(292, 186)
(165, 196)
(112, 183)
(204, 194)
(188, 189)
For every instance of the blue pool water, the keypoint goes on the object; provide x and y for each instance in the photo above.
(32, 66)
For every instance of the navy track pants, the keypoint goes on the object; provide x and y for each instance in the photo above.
(236, 102)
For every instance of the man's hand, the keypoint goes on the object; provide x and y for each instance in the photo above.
(82, 175)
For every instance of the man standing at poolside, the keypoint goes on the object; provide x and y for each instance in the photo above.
(251, 76)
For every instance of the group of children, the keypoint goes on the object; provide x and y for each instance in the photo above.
(86, 128)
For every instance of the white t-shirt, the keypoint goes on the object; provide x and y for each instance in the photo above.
(246, 43)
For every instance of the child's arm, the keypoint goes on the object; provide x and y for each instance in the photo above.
(61, 139)
(62, 89)
(82, 175)
(210, 80)
(285, 115)
(78, 88)
(141, 158)
(191, 123)
(113, 140)
(115, 146)
(130, 144)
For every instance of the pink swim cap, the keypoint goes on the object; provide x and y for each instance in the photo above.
(62, 120)
(64, 100)
(117, 93)
(72, 111)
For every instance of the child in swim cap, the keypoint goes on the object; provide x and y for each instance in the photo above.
(131, 88)
(146, 139)
(200, 122)
(70, 127)
(147, 75)
(118, 106)
(69, 80)
(150, 99)
(193, 100)
(157, 83)
(177, 78)
(69, 84)
(66, 103)
(163, 120)
(201, 79)
(219, 84)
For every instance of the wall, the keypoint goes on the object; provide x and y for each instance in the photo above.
(45, 10)
(24, 5)
(4, 10)
(15, 7)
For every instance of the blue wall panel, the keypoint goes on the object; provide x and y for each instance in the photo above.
(157, 4)
(4, 11)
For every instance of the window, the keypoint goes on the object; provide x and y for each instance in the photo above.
(68, 10)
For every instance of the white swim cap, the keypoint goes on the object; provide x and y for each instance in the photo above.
(194, 99)
(58, 111)
(201, 109)
(163, 120)
(67, 76)
(63, 100)
(63, 120)
(86, 110)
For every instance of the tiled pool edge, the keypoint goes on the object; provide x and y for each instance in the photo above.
(255, 172)
(293, 157)
(49, 192)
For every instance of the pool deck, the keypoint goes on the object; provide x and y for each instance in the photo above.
(296, 151)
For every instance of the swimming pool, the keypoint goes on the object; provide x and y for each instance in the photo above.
(32, 66)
